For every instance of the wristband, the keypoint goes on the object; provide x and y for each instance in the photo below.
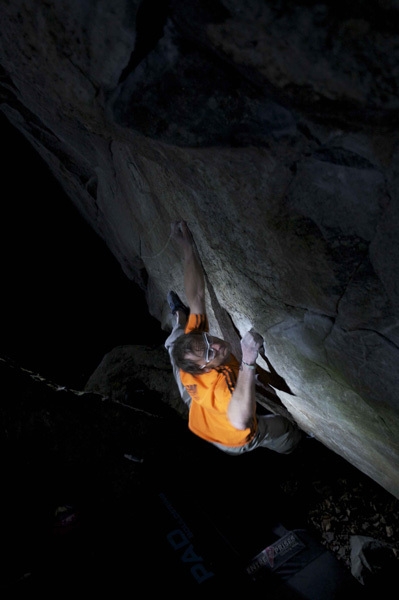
(253, 366)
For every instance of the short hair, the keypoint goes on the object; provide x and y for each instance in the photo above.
(192, 342)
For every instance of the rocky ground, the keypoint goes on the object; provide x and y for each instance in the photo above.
(342, 502)
(86, 483)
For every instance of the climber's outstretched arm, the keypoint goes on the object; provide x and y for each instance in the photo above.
(194, 280)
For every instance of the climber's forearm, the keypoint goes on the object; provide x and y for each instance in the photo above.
(194, 281)
(242, 406)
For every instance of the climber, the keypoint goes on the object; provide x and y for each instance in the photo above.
(218, 390)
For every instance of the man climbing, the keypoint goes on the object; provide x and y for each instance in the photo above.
(219, 391)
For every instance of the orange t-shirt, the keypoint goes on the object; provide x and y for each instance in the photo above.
(210, 394)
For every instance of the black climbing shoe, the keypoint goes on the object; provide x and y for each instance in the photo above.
(176, 304)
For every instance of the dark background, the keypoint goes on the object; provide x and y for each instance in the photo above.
(65, 300)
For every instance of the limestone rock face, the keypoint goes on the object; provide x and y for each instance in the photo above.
(272, 128)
